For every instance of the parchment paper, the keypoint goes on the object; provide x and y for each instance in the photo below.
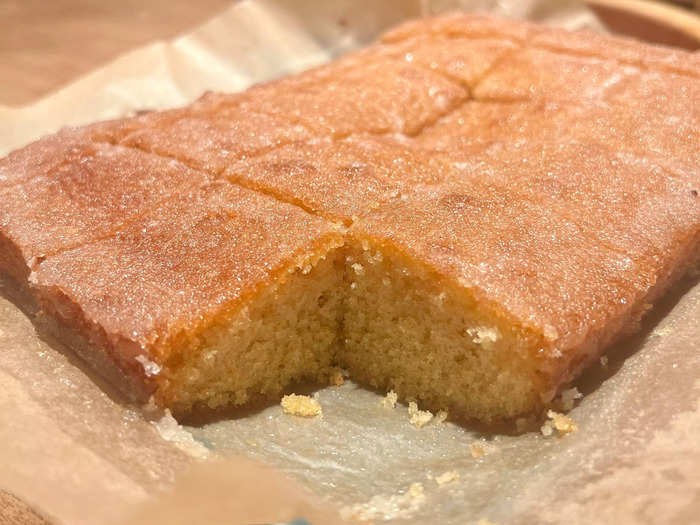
(71, 448)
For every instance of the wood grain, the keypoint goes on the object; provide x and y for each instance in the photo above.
(651, 21)
(46, 44)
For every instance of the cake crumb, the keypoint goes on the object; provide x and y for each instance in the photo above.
(390, 399)
(481, 448)
(604, 361)
(418, 418)
(380, 507)
(561, 423)
(302, 406)
(441, 416)
(447, 477)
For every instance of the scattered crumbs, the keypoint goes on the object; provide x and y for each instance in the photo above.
(604, 361)
(481, 448)
(441, 416)
(390, 399)
(303, 406)
(547, 429)
(251, 443)
(485, 522)
(447, 477)
(483, 334)
(568, 398)
(385, 508)
(559, 422)
(418, 418)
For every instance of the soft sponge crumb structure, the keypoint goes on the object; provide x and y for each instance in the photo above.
(465, 214)
(408, 330)
(289, 334)
(303, 406)
(563, 424)
(416, 417)
(390, 399)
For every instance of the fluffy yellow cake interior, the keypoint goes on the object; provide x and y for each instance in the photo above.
(287, 333)
(406, 329)
(392, 323)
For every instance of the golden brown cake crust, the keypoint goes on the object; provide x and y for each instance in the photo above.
(175, 269)
(551, 177)
(62, 202)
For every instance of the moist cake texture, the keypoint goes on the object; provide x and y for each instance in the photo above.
(466, 213)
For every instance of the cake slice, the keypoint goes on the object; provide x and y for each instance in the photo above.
(215, 297)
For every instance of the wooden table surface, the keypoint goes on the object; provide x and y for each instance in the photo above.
(45, 44)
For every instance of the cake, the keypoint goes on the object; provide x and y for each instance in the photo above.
(466, 213)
